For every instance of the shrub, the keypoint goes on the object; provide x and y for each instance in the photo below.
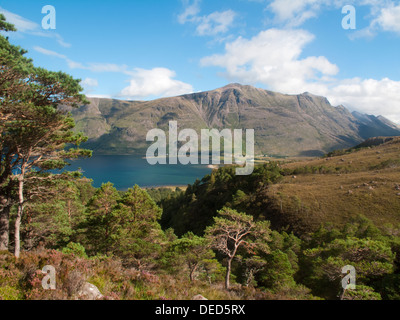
(9, 293)
(76, 249)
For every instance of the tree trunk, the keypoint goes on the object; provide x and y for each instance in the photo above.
(228, 274)
(192, 272)
(18, 220)
(4, 227)
(69, 211)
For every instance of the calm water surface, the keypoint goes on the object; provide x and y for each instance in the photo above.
(126, 171)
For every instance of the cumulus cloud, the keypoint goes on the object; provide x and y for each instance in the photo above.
(158, 82)
(26, 26)
(273, 58)
(388, 19)
(384, 14)
(379, 97)
(208, 25)
(384, 17)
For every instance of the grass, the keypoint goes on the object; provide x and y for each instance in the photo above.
(362, 182)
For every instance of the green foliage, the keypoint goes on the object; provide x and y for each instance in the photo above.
(193, 252)
(362, 293)
(52, 218)
(161, 194)
(139, 234)
(195, 209)
(360, 244)
(391, 163)
(5, 26)
(9, 293)
(277, 265)
(224, 220)
(125, 226)
(233, 231)
(76, 249)
(279, 272)
(101, 220)
(390, 287)
(34, 131)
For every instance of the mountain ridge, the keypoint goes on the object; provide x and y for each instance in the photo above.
(285, 125)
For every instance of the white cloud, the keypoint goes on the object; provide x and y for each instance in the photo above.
(155, 82)
(378, 97)
(190, 12)
(100, 96)
(107, 67)
(71, 64)
(295, 12)
(49, 52)
(385, 16)
(22, 24)
(32, 28)
(94, 67)
(208, 25)
(89, 84)
(273, 58)
(215, 23)
(389, 19)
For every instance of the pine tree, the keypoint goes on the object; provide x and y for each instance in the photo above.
(233, 230)
(102, 222)
(140, 235)
(34, 130)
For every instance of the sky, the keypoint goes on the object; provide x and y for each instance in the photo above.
(147, 49)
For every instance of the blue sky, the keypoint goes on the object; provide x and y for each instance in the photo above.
(145, 49)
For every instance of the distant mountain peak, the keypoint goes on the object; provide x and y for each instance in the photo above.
(234, 85)
(285, 125)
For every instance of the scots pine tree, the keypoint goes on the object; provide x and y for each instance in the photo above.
(34, 130)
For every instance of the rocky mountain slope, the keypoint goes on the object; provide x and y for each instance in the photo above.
(285, 125)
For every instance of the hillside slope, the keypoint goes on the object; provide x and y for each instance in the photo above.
(285, 125)
(299, 196)
(364, 182)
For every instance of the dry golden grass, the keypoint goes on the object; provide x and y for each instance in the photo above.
(362, 186)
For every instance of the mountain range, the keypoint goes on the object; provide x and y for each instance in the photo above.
(285, 125)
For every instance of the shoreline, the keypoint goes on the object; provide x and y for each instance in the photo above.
(166, 187)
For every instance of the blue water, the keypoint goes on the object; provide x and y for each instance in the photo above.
(126, 171)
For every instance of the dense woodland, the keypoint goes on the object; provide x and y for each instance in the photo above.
(222, 237)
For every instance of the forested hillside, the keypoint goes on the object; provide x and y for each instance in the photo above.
(114, 240)
(284, 232)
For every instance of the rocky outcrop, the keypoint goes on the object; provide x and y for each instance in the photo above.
(89, 292)
(199, 297)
